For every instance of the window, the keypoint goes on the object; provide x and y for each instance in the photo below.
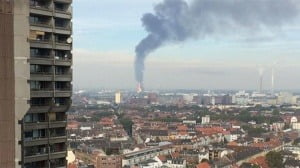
(31, 118)
(37, 52)
(40, 69)
(34, 134)
(60, 101)
(40, 101)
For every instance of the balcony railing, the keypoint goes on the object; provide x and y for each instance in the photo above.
(62, 42)
(63, 58)
(63, 73)
(30, 126)
(61, 108)
(35, 122)
(66, 89)
(41, 24)
(40, 104)
(41, 89)
(39, 108)
(64, 11)
(41, 73)
(41, 151)
(58, 124)
(58, 135)
(41, 7)
(34, 138)
(41, 41)
(58, 150)
(65, 27)
(41, 56)
(40, 94)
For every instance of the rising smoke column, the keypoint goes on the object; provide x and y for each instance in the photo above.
(175, 21)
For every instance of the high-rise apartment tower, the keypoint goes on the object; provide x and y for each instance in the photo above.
(35, 82)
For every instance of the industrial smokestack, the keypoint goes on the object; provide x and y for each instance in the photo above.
(139, 88)
(273, 81)
(260, 84)
(273, 78)
(261, 76)
(175, 21)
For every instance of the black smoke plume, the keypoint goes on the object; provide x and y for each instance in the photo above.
(175, 21)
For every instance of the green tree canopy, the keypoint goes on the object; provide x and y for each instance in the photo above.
(127, 124)
(275, 159)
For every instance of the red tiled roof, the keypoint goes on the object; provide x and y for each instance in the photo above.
(210, 130)
(73, 125)
(182, 133)
(182, 128)
(232, 144)
(260, 161)
(107, 121)
(72, 165)
(162, 158)
(270, 144)
(203, 165)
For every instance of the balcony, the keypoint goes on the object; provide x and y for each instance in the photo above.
(37, 125)
(41, 76)
(41, 59)
(36, 94)
(58, 124)
(36, 158)
(66, 77)
(45, 43)
(35, 141)
(62, 45)
(41, 93)
(58, 155)
(39, 109)
(61, 108)
(41, 26)
(40, 10)
(60, 29)
(62, 14)
(65, 13)
(62, 61)
(58, 133)
(67, 92)
(58, 139)
(36, 151)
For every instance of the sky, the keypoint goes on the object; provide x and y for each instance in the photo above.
(106, 32)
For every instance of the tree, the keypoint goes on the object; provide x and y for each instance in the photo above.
(276, 112)
(275, 159)
(253, 131)
(127, 124)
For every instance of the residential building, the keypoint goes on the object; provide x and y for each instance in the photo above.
(118, 98)
(113, 161)
(205, 119)
(140, 156)
(36, 75)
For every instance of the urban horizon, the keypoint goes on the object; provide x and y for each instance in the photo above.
(149, 84)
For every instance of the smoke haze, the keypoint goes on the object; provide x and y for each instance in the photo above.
(175, 21)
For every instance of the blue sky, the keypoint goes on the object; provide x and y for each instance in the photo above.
(107, 31)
